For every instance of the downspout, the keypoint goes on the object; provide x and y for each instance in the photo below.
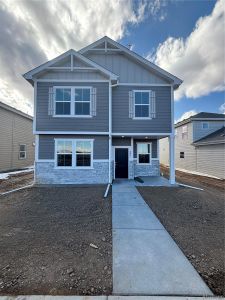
(110, 131)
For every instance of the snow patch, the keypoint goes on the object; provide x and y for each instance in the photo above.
(7, 174)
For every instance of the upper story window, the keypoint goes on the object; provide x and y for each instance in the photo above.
(141, 104)
(62, 101)
(72, 101)
(82, 101)
(23, 151)
(144, 153)
(184, 131)
(205, 125)
(74, 153)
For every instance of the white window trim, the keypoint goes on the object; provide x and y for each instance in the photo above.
(74, 141)
(72, 102)
(150, 154)
(149, 105)
(207, 125)
(25, 151)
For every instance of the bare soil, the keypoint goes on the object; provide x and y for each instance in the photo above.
(195, 180)
(45, 237)
(16, 181)
(195, 219)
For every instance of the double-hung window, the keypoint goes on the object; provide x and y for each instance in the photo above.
(23, 151)
(82, 101)
(74, 153)
(63, 101)
(72, 101)
(64, 153)
(83, 153)
(144, 153)
(141, 104)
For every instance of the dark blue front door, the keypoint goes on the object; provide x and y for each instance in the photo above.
(121, 161)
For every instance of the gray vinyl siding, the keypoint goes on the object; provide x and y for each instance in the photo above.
(211, 160)
(199, 132)
(126, 141)
(47, 145)
(15, 130)
(99, 123)
(120, 111)
(128, 70)
(154, 147)
(184, 145)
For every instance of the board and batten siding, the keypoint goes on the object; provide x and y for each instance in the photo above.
(100, 122)
(211, 160)
(15, 130)
(47, 145)
(199, 132)
(120, 111)
(126, 68)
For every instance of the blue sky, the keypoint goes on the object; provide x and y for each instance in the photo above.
(185, 38)
(179, 22)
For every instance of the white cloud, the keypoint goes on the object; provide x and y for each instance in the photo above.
(198, 59)
(32, 32)
(222, 108)
(186, 115)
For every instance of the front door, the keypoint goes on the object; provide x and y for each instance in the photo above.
(121, 162)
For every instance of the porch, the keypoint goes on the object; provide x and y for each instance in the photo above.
(144, 181)
(138, 156)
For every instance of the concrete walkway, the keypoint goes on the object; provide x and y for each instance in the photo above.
(146, 260)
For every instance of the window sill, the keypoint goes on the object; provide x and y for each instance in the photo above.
(139, 164)
(72, 116)
(139, 118)
(73, 168)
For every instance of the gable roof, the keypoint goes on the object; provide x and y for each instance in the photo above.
(15, 111)
(202, 116)
(217, 137)
(29, 75)
(118, 47)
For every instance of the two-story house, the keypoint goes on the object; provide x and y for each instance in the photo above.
(16, 139)
(99, 114)
(199, 145)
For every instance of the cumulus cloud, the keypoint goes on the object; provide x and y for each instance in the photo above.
(32, 32)
(186, 115)
(198, 59)
(222, 108)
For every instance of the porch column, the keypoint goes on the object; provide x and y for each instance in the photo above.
(172, 161)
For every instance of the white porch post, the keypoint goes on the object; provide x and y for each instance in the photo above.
(110, 132)
(172, 161)
(171, 141)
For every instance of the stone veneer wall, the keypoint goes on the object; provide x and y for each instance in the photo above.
(147, 170)
(46, 173)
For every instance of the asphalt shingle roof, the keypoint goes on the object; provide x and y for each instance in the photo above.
(216, 136)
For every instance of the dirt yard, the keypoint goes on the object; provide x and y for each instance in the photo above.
(195, 180)
(195, 219)
(45, 241)
(16, 181)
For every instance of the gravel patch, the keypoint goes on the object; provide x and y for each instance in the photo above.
(46, 241)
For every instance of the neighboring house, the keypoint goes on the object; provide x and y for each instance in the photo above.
(99, 114)
(199, 145)
(16, 139)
